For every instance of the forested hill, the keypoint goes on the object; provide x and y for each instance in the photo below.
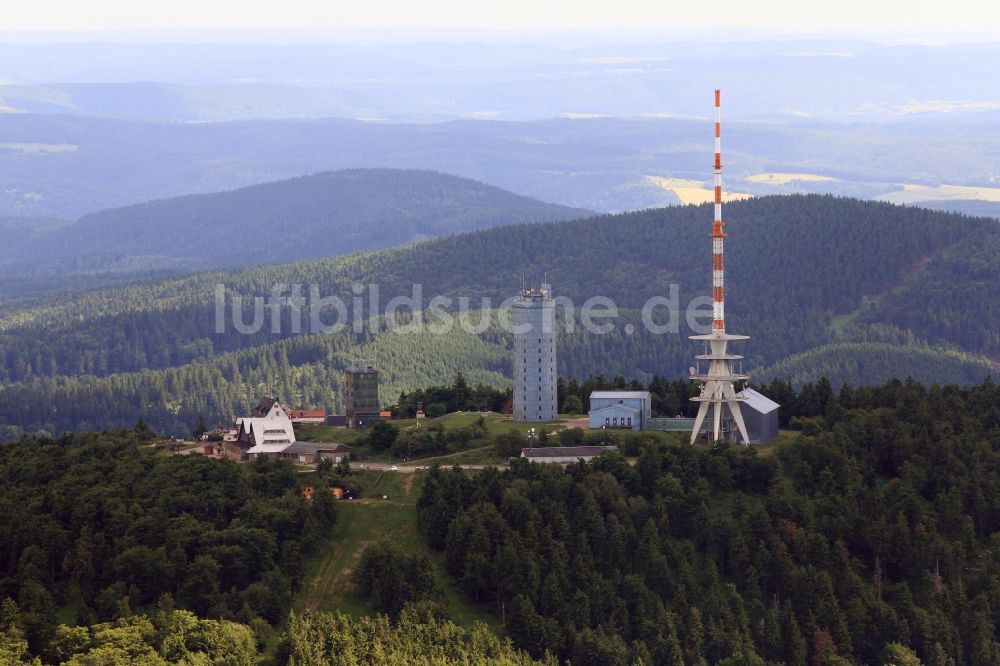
(870, 540)
(312, 216)
(858, 290)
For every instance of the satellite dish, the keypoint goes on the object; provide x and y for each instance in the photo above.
(692, 371)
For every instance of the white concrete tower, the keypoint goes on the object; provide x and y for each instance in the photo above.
(717, 384)
(534, 356)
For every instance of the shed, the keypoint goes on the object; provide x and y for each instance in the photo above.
(309, 453)
(236, 449)
(760, 414)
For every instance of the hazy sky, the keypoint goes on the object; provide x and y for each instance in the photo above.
(889, 15)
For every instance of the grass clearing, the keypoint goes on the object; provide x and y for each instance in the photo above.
(327, 434)
(497, 424)
(328, 584)
(484, 455)
(840, 323)
(480, 447)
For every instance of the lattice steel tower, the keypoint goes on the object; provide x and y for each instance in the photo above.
(717, 384)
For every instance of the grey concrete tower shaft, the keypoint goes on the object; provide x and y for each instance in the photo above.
(535, 398)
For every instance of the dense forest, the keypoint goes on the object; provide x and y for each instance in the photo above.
(313, 216)
(869, 539)
(100, 526)
(308, 370)
(813, 280)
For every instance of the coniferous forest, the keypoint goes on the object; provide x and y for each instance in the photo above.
(102, 526)
(869, 538)
(858, 292)
(288, 293)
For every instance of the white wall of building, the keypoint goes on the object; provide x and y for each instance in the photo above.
(608, 408)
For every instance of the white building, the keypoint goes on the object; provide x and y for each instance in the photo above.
(534, 356)
(269, 434)
(629, 410)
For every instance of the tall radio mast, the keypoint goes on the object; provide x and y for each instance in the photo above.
(717, 385)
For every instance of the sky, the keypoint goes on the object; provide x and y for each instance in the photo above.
(981, 17)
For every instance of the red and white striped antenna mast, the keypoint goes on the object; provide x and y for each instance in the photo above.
(718, 232)
(718, 383)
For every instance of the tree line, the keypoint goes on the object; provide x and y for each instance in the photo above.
(811, 281)
(869, 538)
(106, 526)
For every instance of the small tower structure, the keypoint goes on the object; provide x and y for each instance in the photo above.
(534, 356)
(361, 394)
(718, 390)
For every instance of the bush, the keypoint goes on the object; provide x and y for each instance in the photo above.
(391, 579)
(572, 405)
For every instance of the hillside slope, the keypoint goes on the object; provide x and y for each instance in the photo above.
(312, 216)
(846, 278)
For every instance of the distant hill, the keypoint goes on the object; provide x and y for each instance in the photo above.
(68, 166)
(302, 218)
(965, 206)
(858, 290)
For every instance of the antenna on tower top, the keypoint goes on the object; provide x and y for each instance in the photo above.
(718, 232)
(717, 384)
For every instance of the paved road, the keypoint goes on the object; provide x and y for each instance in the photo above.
(406, 469)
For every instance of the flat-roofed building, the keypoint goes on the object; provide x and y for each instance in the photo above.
(361, 394)
(561, 455)
(310, 416)
(628, 410)
(310, 453)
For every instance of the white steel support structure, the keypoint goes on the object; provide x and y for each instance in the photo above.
(717, 384)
